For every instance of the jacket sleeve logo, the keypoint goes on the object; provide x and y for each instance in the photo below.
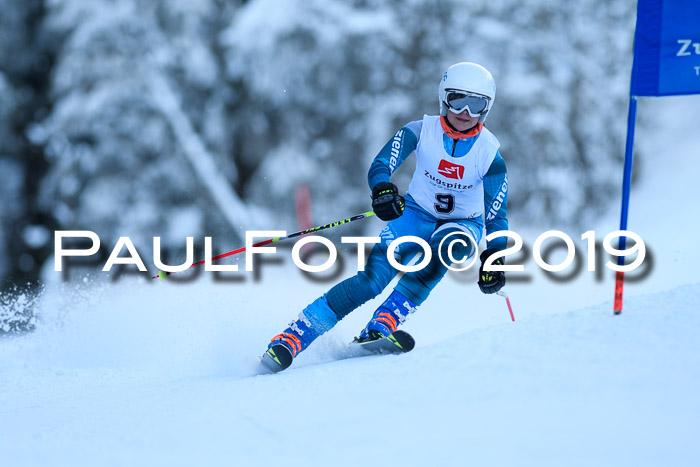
(449, 170)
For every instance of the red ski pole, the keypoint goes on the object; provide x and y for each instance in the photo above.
(510, 308)
(164, 274)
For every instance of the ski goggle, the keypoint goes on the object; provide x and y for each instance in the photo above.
(458, 101)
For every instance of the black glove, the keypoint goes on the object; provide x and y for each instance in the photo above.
(387, 203)
(491, 281)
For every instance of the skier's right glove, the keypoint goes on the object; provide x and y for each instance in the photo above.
(387, 203)
(491, 281)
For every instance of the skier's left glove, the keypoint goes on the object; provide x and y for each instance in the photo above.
(387, 203)
(491, 281)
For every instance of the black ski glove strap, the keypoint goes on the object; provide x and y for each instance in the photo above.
(386, 201)
(491, 281)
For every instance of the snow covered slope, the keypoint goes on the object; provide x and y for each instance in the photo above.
(112, 383)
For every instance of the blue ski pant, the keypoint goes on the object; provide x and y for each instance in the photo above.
(416, 285)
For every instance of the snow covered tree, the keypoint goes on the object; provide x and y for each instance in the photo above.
(11, 176)
(24, 64)
(135, 136)
(564, 78)
(314, 100)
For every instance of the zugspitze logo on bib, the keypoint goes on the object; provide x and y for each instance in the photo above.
(450, 170)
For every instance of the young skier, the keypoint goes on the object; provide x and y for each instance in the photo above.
(460, 178)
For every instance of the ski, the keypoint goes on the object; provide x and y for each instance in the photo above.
(397, 342)
(278, 357)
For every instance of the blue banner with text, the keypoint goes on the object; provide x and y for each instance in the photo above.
(666, 48)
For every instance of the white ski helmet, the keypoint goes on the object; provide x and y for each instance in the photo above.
(467, 86)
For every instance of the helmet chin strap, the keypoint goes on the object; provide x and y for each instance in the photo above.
(454, 134)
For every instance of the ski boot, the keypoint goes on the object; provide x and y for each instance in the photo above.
(386, 319)
(315, 320)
